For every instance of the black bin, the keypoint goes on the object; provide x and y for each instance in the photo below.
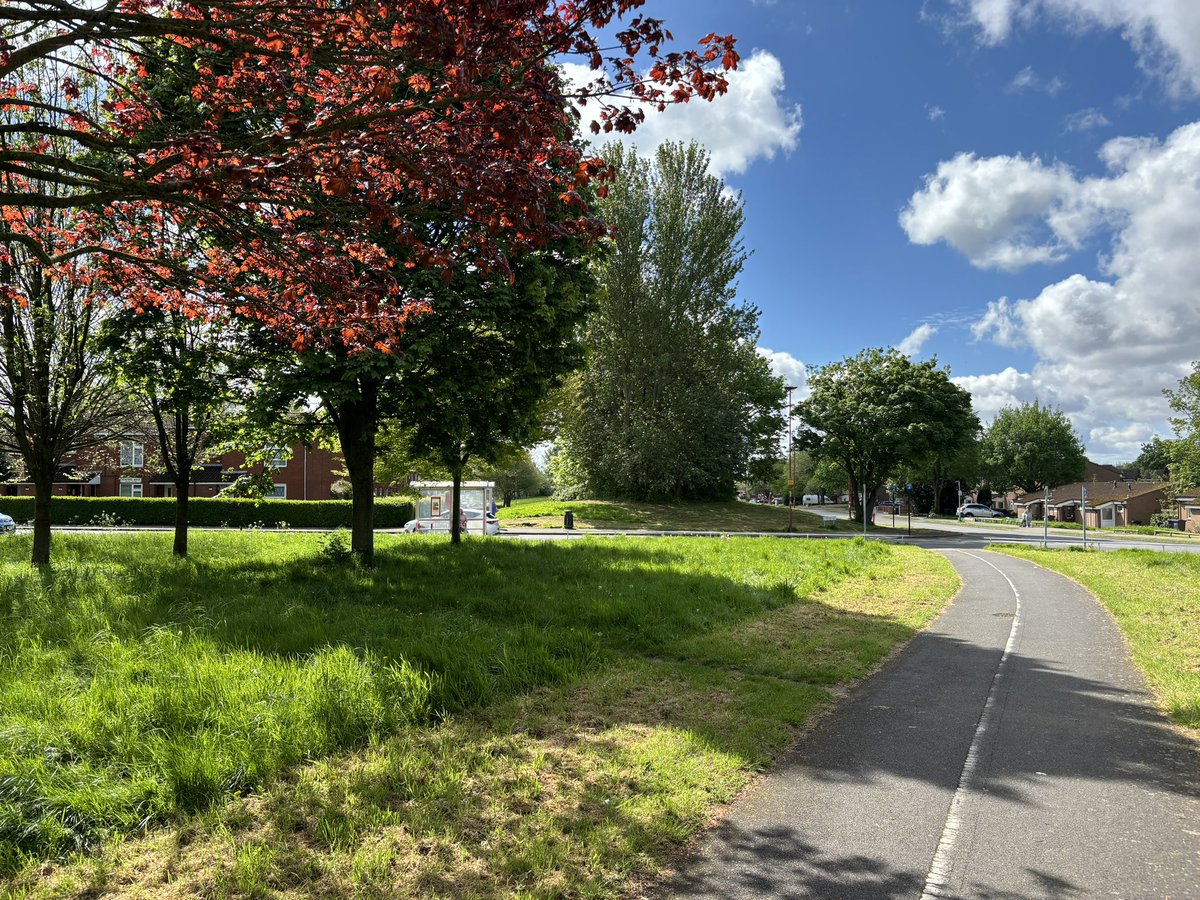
(569, 520)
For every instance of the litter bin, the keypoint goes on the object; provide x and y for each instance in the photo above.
(569, 520)
(1180, 524)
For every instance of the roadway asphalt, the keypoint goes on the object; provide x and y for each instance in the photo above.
(1010, 751)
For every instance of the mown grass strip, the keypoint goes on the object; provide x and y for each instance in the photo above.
(1155, 598)
(496, 720)
(733, 516)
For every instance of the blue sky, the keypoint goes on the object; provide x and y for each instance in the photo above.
(1012, 185)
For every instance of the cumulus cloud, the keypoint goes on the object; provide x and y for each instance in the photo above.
(1165, 34)
(751, 121)
(1002, 212)
(916, 339)
(1106, 345)
(787, 367)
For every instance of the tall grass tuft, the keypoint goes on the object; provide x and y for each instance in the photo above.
(135, 687)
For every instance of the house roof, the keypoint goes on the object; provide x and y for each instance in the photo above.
(1099, 492)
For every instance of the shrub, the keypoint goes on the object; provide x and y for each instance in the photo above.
(218, 512)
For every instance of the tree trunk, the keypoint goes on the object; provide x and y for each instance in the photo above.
(181, 518)
(855, 500)
(356, 424)
(456, 507)
(43, 491)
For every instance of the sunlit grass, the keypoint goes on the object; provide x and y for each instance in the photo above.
(497, 719)
(732, 516)
(1155, 598)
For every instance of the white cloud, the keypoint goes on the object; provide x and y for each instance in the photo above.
(934, 113)
(1165, 34)
(1106, 346)
(997, 211)
(787, 367)
(751, 121)
(1029, 80)
(1086, 120)
(916, 339)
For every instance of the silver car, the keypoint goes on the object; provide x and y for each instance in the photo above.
(979, 511)
(7, 525)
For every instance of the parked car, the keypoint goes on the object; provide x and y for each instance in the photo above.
(7, 525)
(979, 511)
(441, 523)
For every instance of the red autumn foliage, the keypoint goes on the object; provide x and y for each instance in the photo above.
(331, 143)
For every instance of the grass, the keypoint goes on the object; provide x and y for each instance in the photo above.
(1155, 598)
(494, 720)
(732, 516)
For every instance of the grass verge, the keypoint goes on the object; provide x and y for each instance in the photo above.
(732, 516)
(1155, 598)
(493, 720)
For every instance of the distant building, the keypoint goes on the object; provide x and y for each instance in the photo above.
(133, 469)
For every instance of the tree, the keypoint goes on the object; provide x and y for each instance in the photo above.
(311, 128)
(1155, 458)
(56, 400)
(179, 371)
(520, 476)
(1031, 447)
(876, 411)
(674, 402)
(1184, 453)
(479, 369)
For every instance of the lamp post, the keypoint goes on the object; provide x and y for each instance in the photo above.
(791, 464)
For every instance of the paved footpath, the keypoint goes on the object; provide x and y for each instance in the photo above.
(1011, 751)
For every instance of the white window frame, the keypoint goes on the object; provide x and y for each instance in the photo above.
(280, 492)
(135, 486)
(275, 458)
(133, 455)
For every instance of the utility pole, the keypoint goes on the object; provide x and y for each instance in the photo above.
(1046, 519)
(1084, 514)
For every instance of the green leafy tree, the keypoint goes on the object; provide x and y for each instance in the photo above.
(1031, 447)
(1155, 458)
(479, 369)
(178, 370)
(1184, 453)
(518, 477)
(674, 402)
(872, 413)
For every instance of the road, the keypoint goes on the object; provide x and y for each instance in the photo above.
(1010, 751)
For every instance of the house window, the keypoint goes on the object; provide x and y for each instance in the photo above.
(280, 493)
(275, 457)
(133, 455)
(131, 487)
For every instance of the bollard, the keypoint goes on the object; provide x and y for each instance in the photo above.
(569, 520)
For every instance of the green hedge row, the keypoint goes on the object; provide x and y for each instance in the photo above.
(206, 511)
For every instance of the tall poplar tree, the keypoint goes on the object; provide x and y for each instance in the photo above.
(675, 402)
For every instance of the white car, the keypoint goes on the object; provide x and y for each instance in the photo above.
(979, 511)
(441, 523)
(7, 525)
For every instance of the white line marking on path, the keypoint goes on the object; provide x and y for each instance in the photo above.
(939, 869)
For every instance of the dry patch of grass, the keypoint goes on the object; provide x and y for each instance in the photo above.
(1155, 598)
(568, 789)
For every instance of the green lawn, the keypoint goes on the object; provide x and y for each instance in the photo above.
(496, 720)
(732, 516)
(1155, 598)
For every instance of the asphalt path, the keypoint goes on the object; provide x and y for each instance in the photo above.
(1010, 751)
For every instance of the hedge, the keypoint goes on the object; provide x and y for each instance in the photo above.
(205, 511)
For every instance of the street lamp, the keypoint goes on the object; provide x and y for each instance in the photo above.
(791, 466)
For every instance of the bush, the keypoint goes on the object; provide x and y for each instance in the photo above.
(208, 511)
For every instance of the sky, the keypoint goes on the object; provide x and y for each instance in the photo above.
(1012, 186)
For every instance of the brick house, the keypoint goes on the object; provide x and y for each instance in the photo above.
(1189, 512)
(133, 469)
(1110, 504)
